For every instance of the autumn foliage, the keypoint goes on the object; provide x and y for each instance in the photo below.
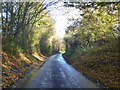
(15, 67)
(92, 47)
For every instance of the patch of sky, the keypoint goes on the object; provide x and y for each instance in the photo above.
(63, 16)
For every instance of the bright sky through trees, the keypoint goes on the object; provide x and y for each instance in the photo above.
(63, 16)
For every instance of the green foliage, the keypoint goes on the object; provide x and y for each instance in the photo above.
(97, 27)
(58, 44)
(43, 31)
(93, 45)
(28, 29)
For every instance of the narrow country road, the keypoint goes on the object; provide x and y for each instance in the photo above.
(56, 73)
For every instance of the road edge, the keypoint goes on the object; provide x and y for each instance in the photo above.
(19, 83)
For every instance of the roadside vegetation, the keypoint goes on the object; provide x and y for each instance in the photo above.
(92, 47)
(27, 37)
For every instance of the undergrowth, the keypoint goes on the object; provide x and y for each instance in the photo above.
(99, 62)
(15, 67)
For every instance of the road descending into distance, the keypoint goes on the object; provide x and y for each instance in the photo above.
(56, 73)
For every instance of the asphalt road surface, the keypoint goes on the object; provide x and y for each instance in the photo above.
(56, 73)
